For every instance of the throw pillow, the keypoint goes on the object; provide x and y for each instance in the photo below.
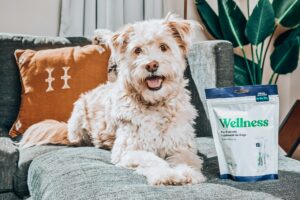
(52, 80)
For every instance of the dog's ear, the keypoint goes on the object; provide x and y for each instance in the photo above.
(120, 39)
(116, 41)
(102, 37)
(184, 31)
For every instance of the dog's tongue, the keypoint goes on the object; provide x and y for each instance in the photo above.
(154, 82)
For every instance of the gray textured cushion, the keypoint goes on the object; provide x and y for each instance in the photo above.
(9, 196)
(25, 158)
(285, 187)
(86, 173)
(211, 65)
(9, 75)
(8, 163)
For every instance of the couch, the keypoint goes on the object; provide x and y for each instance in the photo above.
(53, 172)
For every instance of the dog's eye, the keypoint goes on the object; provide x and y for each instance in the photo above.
(163, 47)
(137, 50)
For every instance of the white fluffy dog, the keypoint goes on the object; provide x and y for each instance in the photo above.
(145, 116)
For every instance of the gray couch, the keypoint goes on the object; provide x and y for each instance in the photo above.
(63, 173)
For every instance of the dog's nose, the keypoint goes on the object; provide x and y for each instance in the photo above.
(152, 66)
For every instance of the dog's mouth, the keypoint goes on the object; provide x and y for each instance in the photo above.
(154, 82)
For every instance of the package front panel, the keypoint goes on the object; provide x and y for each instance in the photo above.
(246, 136)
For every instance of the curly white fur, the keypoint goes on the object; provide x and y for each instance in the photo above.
(147, 130)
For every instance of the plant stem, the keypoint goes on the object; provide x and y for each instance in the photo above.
(260, 57)
(248, 67)
(257, 57)
(276, 79)
(271, 79)
(265, 54)
(253, 67)
(258, 64)
(252, 52)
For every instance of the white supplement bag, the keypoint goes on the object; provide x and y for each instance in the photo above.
(244, 121)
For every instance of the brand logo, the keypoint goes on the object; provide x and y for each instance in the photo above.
(241, 123)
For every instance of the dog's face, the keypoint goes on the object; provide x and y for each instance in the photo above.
(151, 57)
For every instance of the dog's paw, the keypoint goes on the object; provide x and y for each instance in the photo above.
(171, 178)
(129, 160)
(163, 175)
(115, 157)
(192, 175)
(127, 164)
(195, 177)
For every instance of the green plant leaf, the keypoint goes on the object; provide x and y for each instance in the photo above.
(209, 18)
(241, 75)
(261, 22)
(284, 58)
(287, 12)
(287, 36)
(232, 22)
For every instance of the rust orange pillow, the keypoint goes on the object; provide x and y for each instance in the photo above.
(52, 80)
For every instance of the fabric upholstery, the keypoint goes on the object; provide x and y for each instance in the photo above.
(211, 65)
(285, 187)
(25, 158)
(9, 196)
(8, 163)
(64, 174)
(53, 79)
(10, 88)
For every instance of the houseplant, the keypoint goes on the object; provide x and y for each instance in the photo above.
(231, 24)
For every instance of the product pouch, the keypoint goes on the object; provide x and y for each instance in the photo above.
(244, 121)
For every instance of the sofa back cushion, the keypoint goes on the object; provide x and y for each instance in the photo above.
(53, 79)
(10, 87)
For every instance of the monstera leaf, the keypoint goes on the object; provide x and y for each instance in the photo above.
(261, 22)
(284, 58)
(287, 12)
(232, 22)
(287, 36)
(241, 74)
(209, 18)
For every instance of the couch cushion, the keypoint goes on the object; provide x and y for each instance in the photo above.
(25, 158)
(9, 196)
(86, 173)
(211, 65)
(202, 125)
(10, 87)
(8, 163)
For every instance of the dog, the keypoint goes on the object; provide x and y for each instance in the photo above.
(144, 116)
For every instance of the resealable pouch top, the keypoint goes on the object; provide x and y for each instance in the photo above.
(244, 121)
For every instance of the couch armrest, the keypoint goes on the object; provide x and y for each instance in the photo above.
(211, 64)
(8, 163)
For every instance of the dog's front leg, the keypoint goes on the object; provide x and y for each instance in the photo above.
(125, 154)
(121, 144)
(155, 169)
(78, 133)
(187, 163)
